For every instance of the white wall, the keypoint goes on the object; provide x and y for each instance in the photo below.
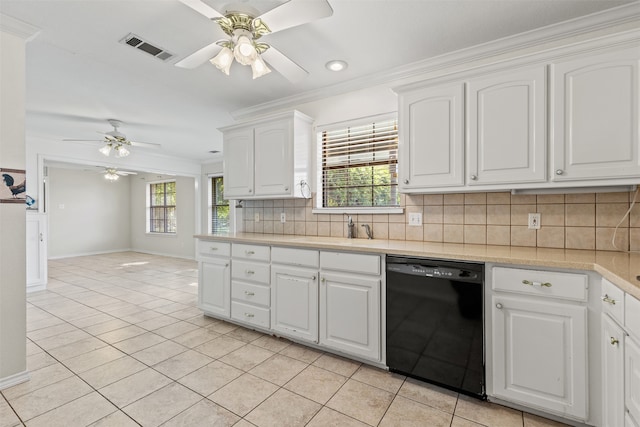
(87, 213)
(181, 244)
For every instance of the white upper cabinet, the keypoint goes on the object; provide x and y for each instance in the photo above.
(595, 116)
(506, 125)
(267, 158)
(238, 163)
(431, 132)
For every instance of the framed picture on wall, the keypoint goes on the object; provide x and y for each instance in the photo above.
(13, 186)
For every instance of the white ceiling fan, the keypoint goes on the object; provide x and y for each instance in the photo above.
(116, 141)
(112, 174)
(244, 28)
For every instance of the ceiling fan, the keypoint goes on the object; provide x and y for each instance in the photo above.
(112, 174)
(116, 141)
(244, 28)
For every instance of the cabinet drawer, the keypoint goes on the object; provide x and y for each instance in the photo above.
(256, 252)
(352, 263)
(290, 256)
(209, 248)
(254, 294)
(613, 300)
(252, 271)
(572, 286)
(632, 315)
(250, 314)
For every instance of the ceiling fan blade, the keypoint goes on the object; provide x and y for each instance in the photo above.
(199, 57)
(202, 8)
(125, 173)
(84, 140)
(285, 66)
(294, 13)
(145, 144)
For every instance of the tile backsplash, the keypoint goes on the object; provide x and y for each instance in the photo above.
(572, 221)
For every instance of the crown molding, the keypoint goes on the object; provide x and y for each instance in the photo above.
(11, 25)
(552, 33)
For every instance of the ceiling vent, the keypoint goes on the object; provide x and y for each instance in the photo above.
(137, 42)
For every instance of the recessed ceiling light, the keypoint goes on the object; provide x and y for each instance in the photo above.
(336, 65)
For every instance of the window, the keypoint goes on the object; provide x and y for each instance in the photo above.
(218, 206)
(360, 166)
(162, 207)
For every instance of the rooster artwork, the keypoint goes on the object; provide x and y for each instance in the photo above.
(13, 186)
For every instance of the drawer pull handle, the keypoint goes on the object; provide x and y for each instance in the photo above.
(249, 272)
(499, 306)
(606, 298)
(537, 284)
(248, 315)
(249, 252)
(249, 294)
(614, 341)
(213, 248)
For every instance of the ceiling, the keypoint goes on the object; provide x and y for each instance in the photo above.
(79, 75)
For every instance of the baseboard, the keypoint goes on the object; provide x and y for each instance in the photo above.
(190, 258)
(36, 288)
(110, 251)
(14, 379)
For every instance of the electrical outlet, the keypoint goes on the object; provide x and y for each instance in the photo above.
(415, 218)
(256, 217)
(283, 217)
(534, 221)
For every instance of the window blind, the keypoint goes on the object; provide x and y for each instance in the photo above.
(219, 206)
(360, 165)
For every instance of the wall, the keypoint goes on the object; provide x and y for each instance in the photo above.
(87, 213)
(571, 221)
(180, 244)
(13, 280)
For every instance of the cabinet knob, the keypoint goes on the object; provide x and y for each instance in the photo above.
(226, 265)
(313, 277)
(474, 177)
(559, 171)
(286, 188)
(606, 298)
(406, 181)
(614, 341)
(323, 280)
(537, 284)
(250, 190)
(499, 306)
(41, 237)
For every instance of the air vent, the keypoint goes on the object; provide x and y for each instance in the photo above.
(143, 45)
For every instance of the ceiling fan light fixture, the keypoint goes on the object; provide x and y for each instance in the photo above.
(244, 51)
(121, 151)
(111, 175)
(223, 60)
(259, 67)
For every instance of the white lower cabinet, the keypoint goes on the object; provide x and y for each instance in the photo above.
(350, 313)
(612, 342)
(214, 287)
(632, 378)
(294, 302)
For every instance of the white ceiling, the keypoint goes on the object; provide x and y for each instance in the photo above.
(79, 75)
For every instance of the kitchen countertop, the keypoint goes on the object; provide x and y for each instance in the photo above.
(620, 268)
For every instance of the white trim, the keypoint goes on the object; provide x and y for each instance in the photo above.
(193, 258)
(36, 288)
(11, 25)
(14, 379)
(162, 234)
(538, 37)
(361, 121)
(110, 251)
(363, 211)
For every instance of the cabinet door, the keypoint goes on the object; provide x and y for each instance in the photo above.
(539, 354)
(36, 251)
(507, 132)
(632, 377)
(214, 287)
(350, 314)
(431, 144)
(238, 163)
(294, 302)
(612, 373)
(595, 117)
(274, 154)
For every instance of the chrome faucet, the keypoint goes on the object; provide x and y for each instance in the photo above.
(351, 228)
(367, 228)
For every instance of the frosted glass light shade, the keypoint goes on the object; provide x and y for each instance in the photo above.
(121, 151)
(259, 67)
(223, 60)
(244, 51)
(106, 150)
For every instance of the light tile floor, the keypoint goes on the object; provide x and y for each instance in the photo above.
(117, 340)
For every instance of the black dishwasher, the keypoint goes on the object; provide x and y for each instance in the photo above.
(435, 322)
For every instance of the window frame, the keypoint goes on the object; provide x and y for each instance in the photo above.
(150, 206)
(210, 206)
(318, 205)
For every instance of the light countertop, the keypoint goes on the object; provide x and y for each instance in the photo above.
(620, 268)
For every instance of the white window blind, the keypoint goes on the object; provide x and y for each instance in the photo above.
(219, 208)
(360, 166)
